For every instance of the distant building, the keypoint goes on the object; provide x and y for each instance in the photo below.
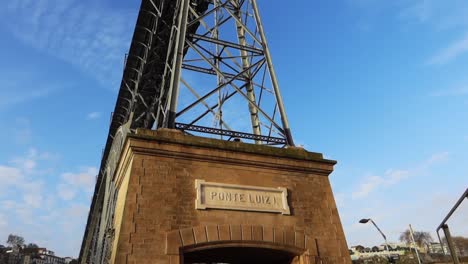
(48, 259)
(394, 250)
(437, 248)
(26, 260)
(37, 251)
(31, 256)
(13, 257)
(361, 252)
(68, 260)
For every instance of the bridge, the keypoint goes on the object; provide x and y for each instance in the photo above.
(199, 66)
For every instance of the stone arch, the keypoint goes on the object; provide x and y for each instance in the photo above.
(214, 236)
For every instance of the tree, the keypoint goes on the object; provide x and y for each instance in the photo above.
(407, 259)
(461, 245)
(32, 245)
(15, 241)
(421, 238)
(377, 260)
(360, 248)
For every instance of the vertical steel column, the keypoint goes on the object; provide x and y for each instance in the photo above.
(274, 80)
(451, 246)
(248, 76)
(167, 68)
(178, 59)
(219, 78)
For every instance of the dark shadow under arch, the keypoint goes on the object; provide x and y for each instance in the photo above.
(240, 253)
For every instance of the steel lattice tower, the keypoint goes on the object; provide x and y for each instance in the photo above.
(214, 56)
(200, 66)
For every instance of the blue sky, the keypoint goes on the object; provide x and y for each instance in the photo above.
(379, 86)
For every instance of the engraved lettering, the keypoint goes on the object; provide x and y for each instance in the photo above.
(258, 199)
(242, 197)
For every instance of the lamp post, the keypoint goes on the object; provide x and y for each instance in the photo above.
(365, 221)
(414, 244)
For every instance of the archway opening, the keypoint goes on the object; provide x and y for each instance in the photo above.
(239, 255)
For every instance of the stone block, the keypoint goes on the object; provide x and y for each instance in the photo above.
(311, 246)
(224, 232)
(246, 232)
(236, 232)
(173, 242)
(268, 234)
(300, 239)
(257, 233)
(278, 235)
(200, 234)
(289, 237)
(212, 233)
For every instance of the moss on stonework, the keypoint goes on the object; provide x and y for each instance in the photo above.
(176, 136)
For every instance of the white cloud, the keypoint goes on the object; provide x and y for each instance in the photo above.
(393, 177)
(370, 184)
(10, 176)
(8, 204)
(441, 16)
(452, 52)
(438, 157)
(21, 192)
(24, 174)
(66, 192)
(18, 179)
(438, 14)
(19, 91)
(75, 32)
(71, 183)
(37, 206)
(28, 163)
(93, 115)
(84, 179)
(33, 199)
(32, 186)
(77, 211)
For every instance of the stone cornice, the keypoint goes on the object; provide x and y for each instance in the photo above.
(167, 143)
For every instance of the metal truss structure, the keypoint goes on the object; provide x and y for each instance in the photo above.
(200, 66)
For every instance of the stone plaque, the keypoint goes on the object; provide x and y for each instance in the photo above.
(241, 197)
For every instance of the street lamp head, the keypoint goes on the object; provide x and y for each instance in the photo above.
(364, 221)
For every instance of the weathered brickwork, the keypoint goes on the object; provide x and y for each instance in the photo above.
(159, 218)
